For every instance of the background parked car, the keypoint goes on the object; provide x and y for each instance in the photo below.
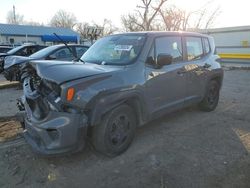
(24, 50)
(4, 49)
(61, 52)
(57, 52)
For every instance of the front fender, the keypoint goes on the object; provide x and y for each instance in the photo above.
(105, 102)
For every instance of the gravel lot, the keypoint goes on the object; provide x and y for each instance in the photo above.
(188, 148)
(8, 100)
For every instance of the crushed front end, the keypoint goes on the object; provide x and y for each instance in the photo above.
(50, 126)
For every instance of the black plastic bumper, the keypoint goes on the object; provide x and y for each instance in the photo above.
(57, 134)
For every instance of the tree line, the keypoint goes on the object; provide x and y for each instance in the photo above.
(149, 15)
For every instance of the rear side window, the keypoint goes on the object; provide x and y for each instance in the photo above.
(206, 46)
(194, 48)
(169, 45)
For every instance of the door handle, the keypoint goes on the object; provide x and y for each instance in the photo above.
(206, 66)
(151, 74)
(180, 72)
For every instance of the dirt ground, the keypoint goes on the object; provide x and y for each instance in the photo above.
(186, 149)
(9, 129)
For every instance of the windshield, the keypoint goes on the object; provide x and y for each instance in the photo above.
(14, 50)
(44, 52)
(115, 50)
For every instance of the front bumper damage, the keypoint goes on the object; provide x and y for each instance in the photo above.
(57, 134)
(47, 128)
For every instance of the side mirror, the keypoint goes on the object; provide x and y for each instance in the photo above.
(51, 57)
(164, 59)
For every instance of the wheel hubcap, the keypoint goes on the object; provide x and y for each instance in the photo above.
(212, 95)
(119, 129)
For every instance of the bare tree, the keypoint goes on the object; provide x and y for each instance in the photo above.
(212, 17)
(13, 18)
(204, 17)
(145, 14)
(107, 26)
(81, 29)
(175, 19)
(63, 19)
(130, 23)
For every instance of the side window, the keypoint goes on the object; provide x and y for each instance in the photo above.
(63, 54)
(169, 45)
(80, 51)
(31, 50)
(194, 48)
(22, 52)
(206, 46)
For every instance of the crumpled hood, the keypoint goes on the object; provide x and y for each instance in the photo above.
(15, 60)
(60, 72)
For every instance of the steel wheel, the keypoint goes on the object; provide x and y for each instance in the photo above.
(116, 132)
(211, 99)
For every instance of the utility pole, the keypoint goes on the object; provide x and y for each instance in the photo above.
(14, 14)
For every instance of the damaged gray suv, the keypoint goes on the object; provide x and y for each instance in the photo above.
(123, 81)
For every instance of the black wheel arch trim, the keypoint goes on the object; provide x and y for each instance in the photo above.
(217, 75)
(105, 102)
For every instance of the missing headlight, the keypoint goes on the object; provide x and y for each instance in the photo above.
(51, 86)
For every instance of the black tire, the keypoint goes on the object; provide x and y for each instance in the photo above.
(116, 131)
(211, 99)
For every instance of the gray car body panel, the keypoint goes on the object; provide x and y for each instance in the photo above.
(151, 91)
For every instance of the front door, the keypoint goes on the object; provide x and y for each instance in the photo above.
(165, 86)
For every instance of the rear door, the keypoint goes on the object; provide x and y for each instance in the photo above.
(197, 55)
(166, 86)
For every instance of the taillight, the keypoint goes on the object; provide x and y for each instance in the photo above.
(70, 94)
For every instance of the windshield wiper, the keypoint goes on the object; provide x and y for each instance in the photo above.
(76, 58)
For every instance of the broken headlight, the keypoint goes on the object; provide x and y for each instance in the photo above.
(51, 86)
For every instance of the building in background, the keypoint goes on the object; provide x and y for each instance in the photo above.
(231, 42)
(20, 34)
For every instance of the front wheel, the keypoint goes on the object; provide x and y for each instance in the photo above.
(211, 99)
(116, 131)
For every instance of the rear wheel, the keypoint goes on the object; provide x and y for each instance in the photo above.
(211, 99)
(116, 131)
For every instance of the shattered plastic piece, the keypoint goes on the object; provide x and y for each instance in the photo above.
(51, 176)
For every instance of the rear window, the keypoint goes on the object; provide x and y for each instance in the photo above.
(194, 48)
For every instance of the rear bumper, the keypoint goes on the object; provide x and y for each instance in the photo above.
(58, 133)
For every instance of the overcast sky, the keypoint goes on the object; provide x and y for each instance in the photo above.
(233, 13)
